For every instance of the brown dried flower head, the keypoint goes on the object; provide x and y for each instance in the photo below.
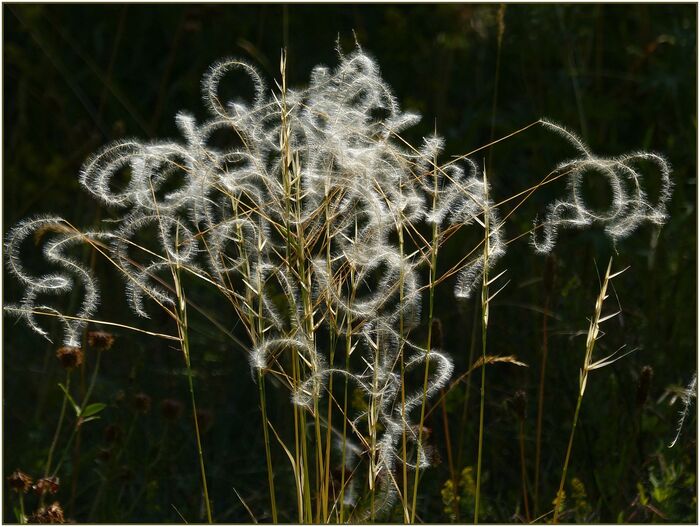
(125, 473)
(104, 454)
(171, 409)
(51, 514)
(142, 403)
(645, 377)
(47, 485)
(70, 356)
(519, 403)
(112, 433)
(119, 396)
(19, 481)
(100, 340)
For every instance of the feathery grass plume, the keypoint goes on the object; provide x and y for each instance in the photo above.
(292, 219)
(64, 236)
(689, 394)
(630, 205)
(475, 203)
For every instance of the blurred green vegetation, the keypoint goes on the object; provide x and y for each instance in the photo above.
(622, 76)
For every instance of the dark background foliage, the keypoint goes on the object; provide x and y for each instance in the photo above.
(622, 76)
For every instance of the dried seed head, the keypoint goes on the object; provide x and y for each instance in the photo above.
(437, 337)
(171, 409)
(125, 473)
(142, 403)
(46, 485)
(70, 356)
(100, 340)
(104, 454)
(204, 419)
(644, 385)
(519, 403)
(112, 433)
(51, 514)
(19, 481)
(645, 377)
(119, 396)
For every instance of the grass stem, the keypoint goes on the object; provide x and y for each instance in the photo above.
(431, 303)
(484, 327)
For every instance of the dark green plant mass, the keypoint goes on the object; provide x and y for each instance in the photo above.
(350, 286)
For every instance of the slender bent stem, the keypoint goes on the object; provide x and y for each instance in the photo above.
(523, 469)
(200, 452)
(22, 515)
(484, 327)
(448, 447)
(588, 365)
(540, 403)
(372, 416)
(467, 389)
(61, 416)
(266, 436)
(481, 442)
(263, 401)
(182, 328)
(345, 432)
(431, 303)
(404, 456)
(560, 492)
(348, 350)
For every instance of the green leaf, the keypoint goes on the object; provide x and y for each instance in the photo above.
(92, 409)
(76, 408)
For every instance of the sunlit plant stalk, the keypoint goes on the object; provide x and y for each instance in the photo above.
(22, 514)
(348, 352)
(47, 467)
(540, 397)
(263, 407)
(183, 331)
(588, 365)
(435, 243)
(404, 455)
(333, 339)
(484, 327)
(83, 405)
(332, 128)
(308, 329)
(292, 249)
(520, 409)
(372, 416)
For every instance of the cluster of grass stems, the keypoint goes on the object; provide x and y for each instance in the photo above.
(338, 459)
